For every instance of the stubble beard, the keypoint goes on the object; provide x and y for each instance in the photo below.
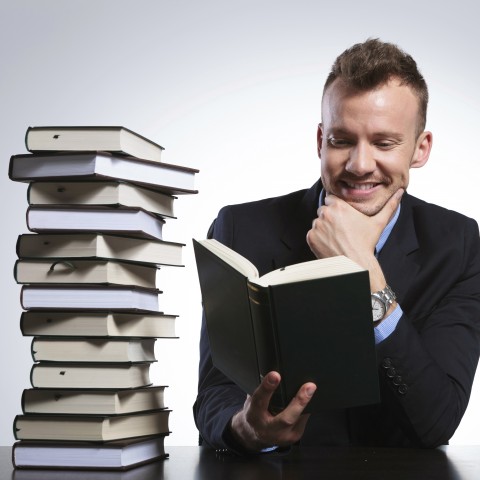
(369, 207)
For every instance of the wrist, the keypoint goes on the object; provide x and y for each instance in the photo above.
(390, 310)
(393, 306)
(375, 273)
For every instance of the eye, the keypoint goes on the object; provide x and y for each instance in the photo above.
(385, 144)
(337, 142)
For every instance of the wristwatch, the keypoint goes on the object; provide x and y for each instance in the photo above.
(381, 302)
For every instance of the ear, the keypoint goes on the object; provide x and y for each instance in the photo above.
(422, 150)
(319, 139)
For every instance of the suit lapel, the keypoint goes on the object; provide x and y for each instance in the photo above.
(397, 257)
(298, 222)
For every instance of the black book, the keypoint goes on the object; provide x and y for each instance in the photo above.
(311, 322)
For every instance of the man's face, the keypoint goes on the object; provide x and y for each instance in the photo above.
(368, 142)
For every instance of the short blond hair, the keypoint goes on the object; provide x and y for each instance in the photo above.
(370, 64)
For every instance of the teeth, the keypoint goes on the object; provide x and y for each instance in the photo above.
(361, 186)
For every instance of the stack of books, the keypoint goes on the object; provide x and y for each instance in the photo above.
(98, 198)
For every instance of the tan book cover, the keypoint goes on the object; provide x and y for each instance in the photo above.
(90, 427)
(95, 402)
(116, 139)
(99, 324)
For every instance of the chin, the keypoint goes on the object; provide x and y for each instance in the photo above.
(366, 208)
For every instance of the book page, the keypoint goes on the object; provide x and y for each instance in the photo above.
(234, 259)
(320, 268)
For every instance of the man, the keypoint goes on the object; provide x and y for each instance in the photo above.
(423, 261)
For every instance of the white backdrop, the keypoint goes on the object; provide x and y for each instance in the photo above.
(232, 88)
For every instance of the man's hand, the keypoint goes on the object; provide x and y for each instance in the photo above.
(255, 427)
(340, 229)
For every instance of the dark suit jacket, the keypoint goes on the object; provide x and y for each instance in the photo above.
(426, 366)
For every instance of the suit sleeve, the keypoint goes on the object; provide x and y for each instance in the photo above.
(218, 398)
(427, 365)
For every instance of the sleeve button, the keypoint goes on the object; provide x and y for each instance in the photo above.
(391, 372)
(397, 380)
(402, 389)
(387, 362)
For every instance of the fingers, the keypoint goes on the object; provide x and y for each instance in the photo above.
(329, 198)
(295, 408)
(386, 213)
(289, 425)
(263, 394)
(256, 427)
(261, 397)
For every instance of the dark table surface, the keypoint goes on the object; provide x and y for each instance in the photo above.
(199, 463)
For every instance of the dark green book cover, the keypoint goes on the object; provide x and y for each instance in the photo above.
(318, 330)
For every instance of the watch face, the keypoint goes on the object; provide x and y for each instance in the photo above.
(378, 309)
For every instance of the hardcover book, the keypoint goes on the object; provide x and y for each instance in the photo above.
(86, 138)
(113, 455)
(93, 350)
(65, 246)
(97, 324)
(81, 271)
(72, 297)
(89, 375)
(311, 322)
(131, 221)
(151, 470)
(100, 193)
(93, 401)
(90, 166)
(90, 427)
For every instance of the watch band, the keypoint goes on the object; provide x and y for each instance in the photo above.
(386, 297)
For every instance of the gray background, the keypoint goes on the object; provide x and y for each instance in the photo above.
(232, 88)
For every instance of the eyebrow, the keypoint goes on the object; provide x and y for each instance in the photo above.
(382, 134)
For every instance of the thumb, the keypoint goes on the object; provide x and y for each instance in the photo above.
(386, 213)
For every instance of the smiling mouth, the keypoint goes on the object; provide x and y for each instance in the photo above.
(361, 186)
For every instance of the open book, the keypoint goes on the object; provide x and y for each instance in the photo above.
(310, 322)
(325, 267)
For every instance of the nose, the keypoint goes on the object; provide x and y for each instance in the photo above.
(361, 160)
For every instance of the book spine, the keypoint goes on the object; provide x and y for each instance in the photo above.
(265, 338)
(28, 192)
(15, 429)
(27, 218)
(32, 349)
(10, 168)
(31, 375)
(14, 451)
(27, 133)
(23, 400)
(15, 271)
(22, 323)
(21, 297)
(18, 246)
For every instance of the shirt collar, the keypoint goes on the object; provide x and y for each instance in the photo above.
(386, 231)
